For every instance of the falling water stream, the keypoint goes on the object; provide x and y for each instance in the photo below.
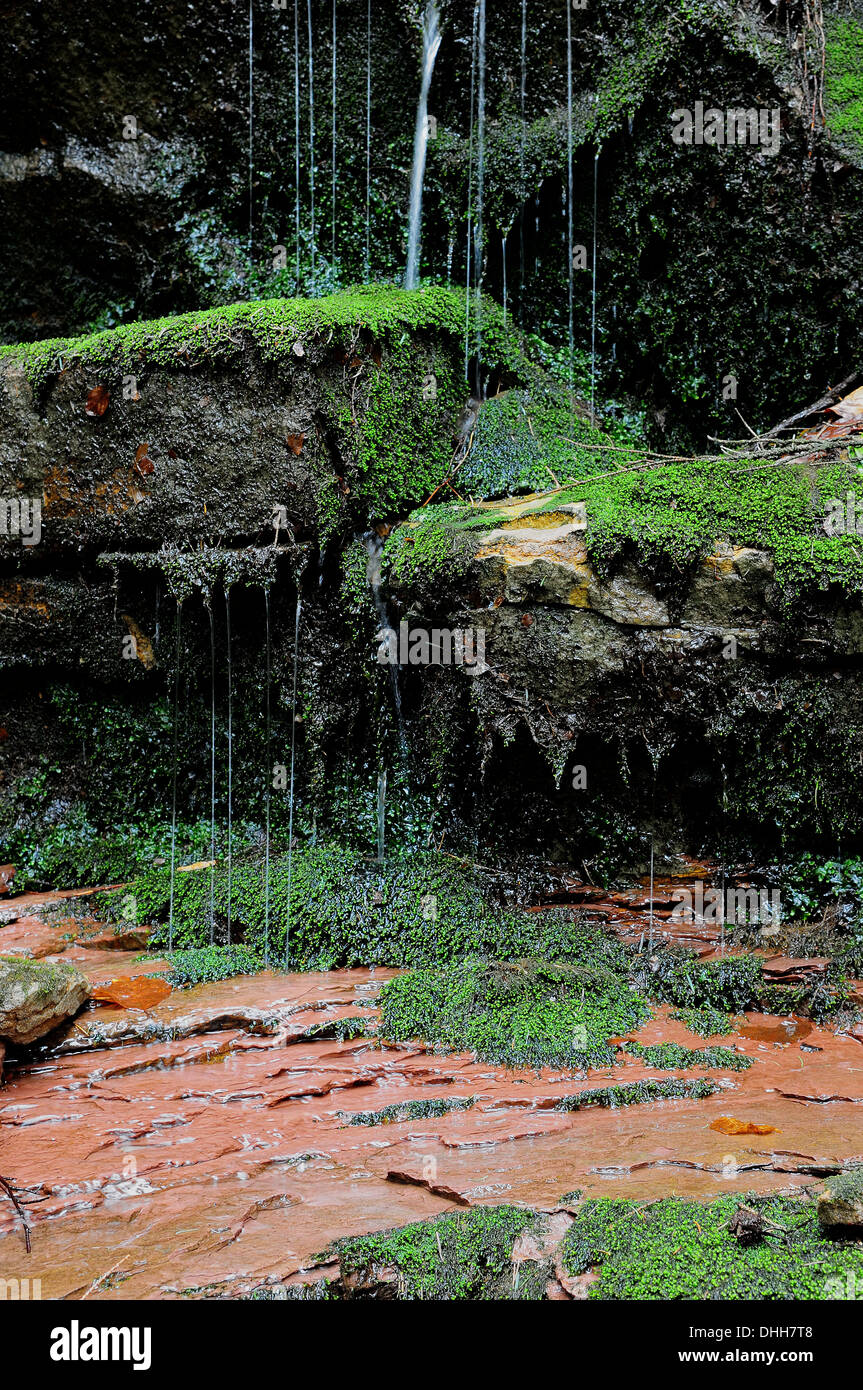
(382, 812)
(267, 785)
(593, 292)
(297, 136)
(212, 772)
(470, 191)
(178, 625)
(291, 791)
(431, 43)
(333, 100)
(521, 97)
(311, 137)
(479, 251)
(230, 748)
(368, 136)
(251, 120)
(569, 209)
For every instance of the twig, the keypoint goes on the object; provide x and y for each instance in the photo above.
(10, 1193)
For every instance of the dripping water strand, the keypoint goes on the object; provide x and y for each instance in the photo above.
(569, 208)
(334, 135)
(368, 136)
(593, 294)
(297, 136)
(174, 772)
(267, 784)
(311, 138)
(479, 254)
(251, 121)
(382, 812)
(503, 262)
(291, 791)
(431, 43)
(374, 547)
(470, 191)
(212, 772)
(230, 750)
(522, 90)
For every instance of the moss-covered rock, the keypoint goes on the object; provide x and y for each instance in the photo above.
(36, 996)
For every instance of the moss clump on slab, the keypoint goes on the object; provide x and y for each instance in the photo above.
(344, 910)
(666, 517)
(458, 1257)
(676, 1249)
(637, 1093)
(672, 1057)
(525, 1013)
(408, 1110)
(208, 963)
(274, 326)
(704, 1020)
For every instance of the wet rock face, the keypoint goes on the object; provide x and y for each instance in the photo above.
(36, 997)
(101, 227)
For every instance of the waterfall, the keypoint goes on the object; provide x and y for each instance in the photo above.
(212, 772)
(269, 781)
(291, 792)
(230, 748)
(297, 136)
(368, 136)
(174, 772)
(311, 137)
(431, 44)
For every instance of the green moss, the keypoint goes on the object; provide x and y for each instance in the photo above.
(637, 1093)
(275, 326)
(466, 1255)
(674, 1249)
(704, 1020)
(208, 963)
(526, 1014)
(672, 1057)
(843, 78)
(407, 1110)
(422, 908)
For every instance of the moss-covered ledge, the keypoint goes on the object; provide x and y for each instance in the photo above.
(193, 428)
